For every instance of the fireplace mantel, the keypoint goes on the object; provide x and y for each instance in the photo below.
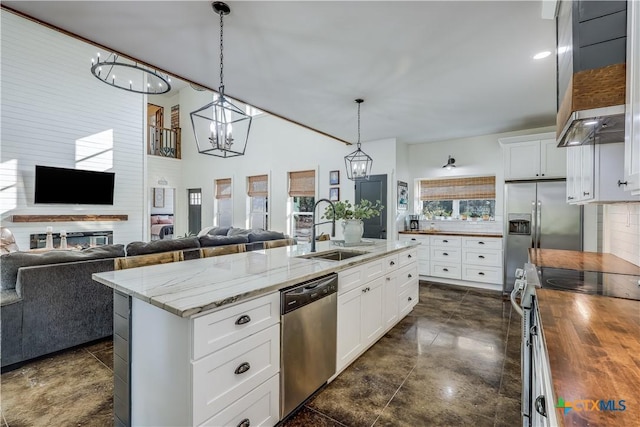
(67, 218)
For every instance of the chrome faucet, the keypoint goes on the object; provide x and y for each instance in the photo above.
(313, 220)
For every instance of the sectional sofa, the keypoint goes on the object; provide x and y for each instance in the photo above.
(49, 302)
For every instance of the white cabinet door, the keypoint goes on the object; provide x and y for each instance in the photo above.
(349, 325)
(632, 118)
(390, 307)
(553, 160)
(587, 188)
(574, 172)
(371, 316)
(522, 160)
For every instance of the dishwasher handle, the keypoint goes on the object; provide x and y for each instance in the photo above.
(308, 292)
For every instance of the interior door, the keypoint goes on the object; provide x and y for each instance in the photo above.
(195, 210)
(375, 188)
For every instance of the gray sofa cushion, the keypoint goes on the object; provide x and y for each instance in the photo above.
(13, 261)
(214, 231)
(261, 236)
(156, 246)
(209, 240)
(239, 231)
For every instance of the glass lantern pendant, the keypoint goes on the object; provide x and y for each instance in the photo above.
(358, 163)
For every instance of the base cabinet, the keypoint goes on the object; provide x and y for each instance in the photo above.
(368, 307)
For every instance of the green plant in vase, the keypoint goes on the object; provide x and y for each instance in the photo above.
(352, 216)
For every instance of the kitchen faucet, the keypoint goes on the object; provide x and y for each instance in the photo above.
(313, 220)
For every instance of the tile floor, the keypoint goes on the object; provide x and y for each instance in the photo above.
(455, 360)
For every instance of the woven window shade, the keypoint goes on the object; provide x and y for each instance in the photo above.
(223, 188)
(458, 188)
(258, 186)
(302, 184)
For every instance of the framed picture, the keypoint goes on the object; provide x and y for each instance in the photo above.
(403, 196)
(334, 194)
(334, 178)
(158, 197)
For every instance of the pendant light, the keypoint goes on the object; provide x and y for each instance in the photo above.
(358, 163)
(221, 129)
(120, 72)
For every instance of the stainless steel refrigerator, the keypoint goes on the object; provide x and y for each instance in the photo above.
(537, 215)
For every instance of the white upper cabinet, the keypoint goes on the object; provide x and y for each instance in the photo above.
(533, 157)
(632, 118)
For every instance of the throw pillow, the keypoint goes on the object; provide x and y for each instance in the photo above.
(261, 236)
(155, 246)
(165, 221)
(212, 240)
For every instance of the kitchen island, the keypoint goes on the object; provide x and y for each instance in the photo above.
(198, 342)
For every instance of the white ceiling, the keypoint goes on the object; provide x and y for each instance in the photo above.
(428, 70)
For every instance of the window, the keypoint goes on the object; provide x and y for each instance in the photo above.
(459, 198)
(258, 192)
(302, 192)
(223, 206)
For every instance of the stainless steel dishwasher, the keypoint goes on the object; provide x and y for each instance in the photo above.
(308, 339)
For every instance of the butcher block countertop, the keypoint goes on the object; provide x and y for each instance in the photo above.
(593, 344)
(578, 260)
(450, 233)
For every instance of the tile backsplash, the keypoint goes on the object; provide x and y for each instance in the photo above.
(622, 231)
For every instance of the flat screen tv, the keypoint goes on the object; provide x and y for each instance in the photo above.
(73, 186)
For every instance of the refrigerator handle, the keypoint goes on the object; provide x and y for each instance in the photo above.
(534, 225)
(539, 224)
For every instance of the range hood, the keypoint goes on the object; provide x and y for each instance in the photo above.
(596, 126)
(591, 67)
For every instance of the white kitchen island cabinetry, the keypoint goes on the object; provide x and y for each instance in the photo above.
(372, 298)
(533, 157)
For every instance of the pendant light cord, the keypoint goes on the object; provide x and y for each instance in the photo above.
(221, 88)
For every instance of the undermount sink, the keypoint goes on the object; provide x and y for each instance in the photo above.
(334, 255)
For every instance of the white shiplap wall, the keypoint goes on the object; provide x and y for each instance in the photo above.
(55, 113)
(622, 231)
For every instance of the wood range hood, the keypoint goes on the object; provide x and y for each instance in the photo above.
(591, 54)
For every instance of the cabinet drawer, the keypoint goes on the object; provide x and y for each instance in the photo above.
(445, 254)
(213, 331)
(443, 269)
(260, 407)
(407, 299)
(423, 240)
(391, 263)
(482, 257)
(373, 269)
(423, 253)
(482, 242)
(226, 375)
(446, 241)
(407, 276)
(350, 279)
(408, 257)
(482, 274)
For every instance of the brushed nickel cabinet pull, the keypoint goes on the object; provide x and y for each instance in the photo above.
(243, 319)
(244, 367)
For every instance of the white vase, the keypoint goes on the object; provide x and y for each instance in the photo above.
(352, 230)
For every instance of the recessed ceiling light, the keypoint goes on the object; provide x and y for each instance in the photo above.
(541, 55)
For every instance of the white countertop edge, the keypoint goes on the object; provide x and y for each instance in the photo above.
(313, 268)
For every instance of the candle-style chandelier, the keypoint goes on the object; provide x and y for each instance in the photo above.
(120, 72)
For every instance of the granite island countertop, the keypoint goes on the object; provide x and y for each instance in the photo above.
(189, 287)
(593, 344)
(451, 233)
(580, 260)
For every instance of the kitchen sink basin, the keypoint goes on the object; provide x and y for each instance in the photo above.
(334, 255)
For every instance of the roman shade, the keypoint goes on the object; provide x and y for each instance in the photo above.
(258, 186)
(302, 184)
(482, 187)
(223, 188)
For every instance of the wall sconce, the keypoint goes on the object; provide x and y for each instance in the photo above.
(451, 163)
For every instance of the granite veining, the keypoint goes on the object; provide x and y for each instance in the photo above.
(190, 287)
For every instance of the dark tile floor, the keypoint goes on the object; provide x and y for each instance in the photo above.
(455, 360)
